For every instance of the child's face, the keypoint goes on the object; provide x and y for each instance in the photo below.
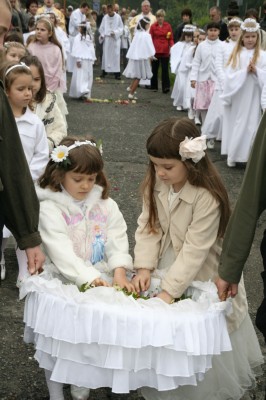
(201, 38)
(78, 185)
(188, 38)
(170, 171)
(249, 40)
(42, 33)
(213, 33)
(196, 37)
(36, 80)
(20, 92)
(15, 54)
(234, 32)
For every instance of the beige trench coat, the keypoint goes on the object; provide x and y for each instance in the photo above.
(191, 227)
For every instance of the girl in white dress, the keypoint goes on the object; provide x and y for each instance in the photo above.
(212, 126)
(198, 37)
(139, 54)
(17, 80)
(84, 54)
(178, 240)
(179, 67)
(244, 94)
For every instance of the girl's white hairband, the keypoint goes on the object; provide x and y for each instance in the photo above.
(235, 21)
(189, 28)
(61, 152)
(193, 148)
(21, 65)
(43, 16)
(255, 28)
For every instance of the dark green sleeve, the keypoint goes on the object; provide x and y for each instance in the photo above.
(19, 204)
(250, 204)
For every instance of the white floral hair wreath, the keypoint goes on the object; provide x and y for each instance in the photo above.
(247, 25)
(60, 153)
(189, 28)
(193, 148)
(235, 21)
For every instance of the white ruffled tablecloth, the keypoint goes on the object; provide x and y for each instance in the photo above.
(103, 338)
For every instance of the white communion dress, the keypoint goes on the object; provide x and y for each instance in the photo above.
(104, 338)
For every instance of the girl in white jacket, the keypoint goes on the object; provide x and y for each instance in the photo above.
(203, 75)
(85, 242)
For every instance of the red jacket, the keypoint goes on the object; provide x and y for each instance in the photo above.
(162, 37)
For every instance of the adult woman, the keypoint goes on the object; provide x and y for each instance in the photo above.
(162, 37)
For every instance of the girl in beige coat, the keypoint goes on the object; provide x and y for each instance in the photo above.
(178, 240)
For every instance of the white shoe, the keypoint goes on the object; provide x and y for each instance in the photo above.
(79, 393)
(210, 143)
(179, 108)
(191, 113)
(132, 97)
(230, 163)
(128, 90)
(3, 271)
(197, 121)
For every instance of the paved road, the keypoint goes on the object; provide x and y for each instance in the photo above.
(123, 129)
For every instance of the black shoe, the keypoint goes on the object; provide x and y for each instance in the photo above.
(118, 78)
(166, 90)
(103, 74)
(147, 87)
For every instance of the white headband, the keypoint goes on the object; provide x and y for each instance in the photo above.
(61, 152)
(235, 21)
(189, 28)
(45, 18)
(245, 28)
(21, 65)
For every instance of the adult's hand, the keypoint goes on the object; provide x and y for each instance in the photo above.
(36, 259)
(226, 289)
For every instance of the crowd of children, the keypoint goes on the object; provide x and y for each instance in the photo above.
(83, 339)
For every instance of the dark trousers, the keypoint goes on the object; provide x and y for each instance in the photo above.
(164, 61)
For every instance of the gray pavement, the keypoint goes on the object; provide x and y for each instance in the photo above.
(123, 130)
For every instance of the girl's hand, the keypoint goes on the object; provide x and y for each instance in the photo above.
(121, 280)
(79, 64)
(166, 297)
(252, 68)
(193, 84)
(142, 280)
(100, 282)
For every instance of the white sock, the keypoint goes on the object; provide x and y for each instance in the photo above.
(55, 388)
(79, 393)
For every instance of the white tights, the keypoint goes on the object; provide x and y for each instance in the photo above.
(21, 257)
(55, 388)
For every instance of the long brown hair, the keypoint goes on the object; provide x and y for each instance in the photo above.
(164, 142)
(85, 159)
